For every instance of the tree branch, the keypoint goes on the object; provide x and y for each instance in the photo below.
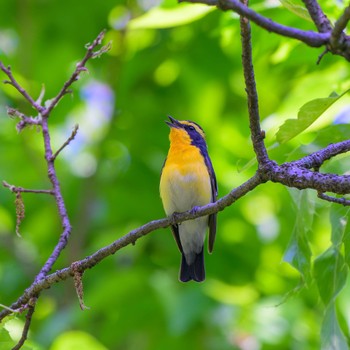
(12, 112)
(286, 174)
(71, 138)
(338, 37)
(16, 189)
(29, 316)
(257, 135)
(293, 176)
(19, 88)
(320, 19)
(316, 159)
(343, 201)
(44, 114)
(323, 38)
(80, 67)
(130, 238)
(308, 37)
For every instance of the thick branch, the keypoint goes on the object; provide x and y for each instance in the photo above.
(293, 176)
(308, 37)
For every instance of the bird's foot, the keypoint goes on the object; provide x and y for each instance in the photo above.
(194, 210)
(174, 216)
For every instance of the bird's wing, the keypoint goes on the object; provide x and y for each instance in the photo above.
(214, 193)
(175, 231)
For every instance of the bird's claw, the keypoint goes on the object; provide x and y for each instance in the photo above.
(174, 216)
(194, 210)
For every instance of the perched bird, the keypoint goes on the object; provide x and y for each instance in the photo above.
(188, 181)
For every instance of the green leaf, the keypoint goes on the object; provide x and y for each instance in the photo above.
(296, 8)
(332, 336)
(346, 241)
(6, 341)
(332, 134)
(330, 272)
(170, 17)
(339, 220)
(307, 115)
(298, 253)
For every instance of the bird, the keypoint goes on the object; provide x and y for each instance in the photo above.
(187, 182)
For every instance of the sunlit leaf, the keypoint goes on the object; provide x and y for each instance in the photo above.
(330, 272)
(332, 134)
(339, 219)
(6, 341)
(332, 336)
(170, 17)
(76, 339)
(296, 8)
(307, 115)
(298, 253)
(345, 222)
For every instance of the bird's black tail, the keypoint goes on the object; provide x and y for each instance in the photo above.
(194, 271)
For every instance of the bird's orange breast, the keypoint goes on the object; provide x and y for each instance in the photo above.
(185, 180)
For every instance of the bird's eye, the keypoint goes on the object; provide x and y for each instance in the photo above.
(190, 127)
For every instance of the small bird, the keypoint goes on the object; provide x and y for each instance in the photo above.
(188, 181)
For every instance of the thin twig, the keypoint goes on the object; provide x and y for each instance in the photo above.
(19, 88)
(8, 308)
(12, 112)
(316, 159)
(80, 67)
(71, 138)
(16, 189)
(30, 312)
(257, 135)
(342, 200)
(321, 55)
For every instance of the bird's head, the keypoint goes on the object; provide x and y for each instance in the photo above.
(186, 131)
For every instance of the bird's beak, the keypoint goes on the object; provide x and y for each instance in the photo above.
(173, 122)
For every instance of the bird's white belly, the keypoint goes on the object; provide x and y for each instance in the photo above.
(184, 193)
(187, 191)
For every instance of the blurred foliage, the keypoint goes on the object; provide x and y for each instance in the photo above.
(281, 258)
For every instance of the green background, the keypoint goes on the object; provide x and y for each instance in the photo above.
(184, 61)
